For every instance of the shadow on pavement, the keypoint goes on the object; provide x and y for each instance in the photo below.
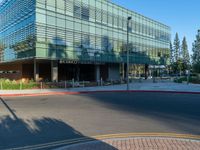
(181, 112)
(51, 133)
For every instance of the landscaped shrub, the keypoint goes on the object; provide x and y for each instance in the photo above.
(6, 84)
(194, 80)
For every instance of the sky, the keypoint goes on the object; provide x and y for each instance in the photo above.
(183, 16)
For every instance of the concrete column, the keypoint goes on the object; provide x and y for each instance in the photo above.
(36, 71)
(77, 73)
(97, 73)
(114, 72)
(146, 71)
(123, 71)
(54, 71)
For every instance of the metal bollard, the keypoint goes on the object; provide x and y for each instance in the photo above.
(73, 82)
(65, 84)
(41, 85)
(20, 85)
(154, 80)
(101, 82)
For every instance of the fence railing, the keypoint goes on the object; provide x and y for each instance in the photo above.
(10, 85)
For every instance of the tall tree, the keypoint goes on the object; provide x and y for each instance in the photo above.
(171, 54)
(185, 52)
(196, 53)
(176, 48)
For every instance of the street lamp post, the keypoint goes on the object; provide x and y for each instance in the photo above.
(127, 49)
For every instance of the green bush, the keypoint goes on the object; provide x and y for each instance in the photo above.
(194, 80)
(6, 84)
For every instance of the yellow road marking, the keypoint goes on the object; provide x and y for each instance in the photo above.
(126, 135)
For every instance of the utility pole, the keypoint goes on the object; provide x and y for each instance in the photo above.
(127, 49)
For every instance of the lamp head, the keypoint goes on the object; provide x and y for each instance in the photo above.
(129, 18)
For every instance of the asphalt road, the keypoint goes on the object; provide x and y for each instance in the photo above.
(37, 120)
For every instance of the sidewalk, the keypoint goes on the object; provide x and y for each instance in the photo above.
(140, 143)
(145, 86)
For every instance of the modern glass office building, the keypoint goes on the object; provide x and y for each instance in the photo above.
(81, 39)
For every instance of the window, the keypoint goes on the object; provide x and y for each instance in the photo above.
(69, 8)
(69, 24)
(77, 40)
(81, 12)
(98, 15)
(77, 26)
(110, 19)
(51, 3)
(69, 38)
(92, 29)
(51, 20)
(85, 13)
(77, 11)
(60, 4)
(41, 18)
(85, 41)
(104, 17)
(60, 22)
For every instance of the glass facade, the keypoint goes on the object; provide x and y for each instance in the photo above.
(92, 31)
(17, 29)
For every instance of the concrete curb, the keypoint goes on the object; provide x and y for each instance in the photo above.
(92, 92)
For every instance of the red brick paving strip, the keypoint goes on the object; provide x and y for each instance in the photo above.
(90, 92)
(138, 144)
